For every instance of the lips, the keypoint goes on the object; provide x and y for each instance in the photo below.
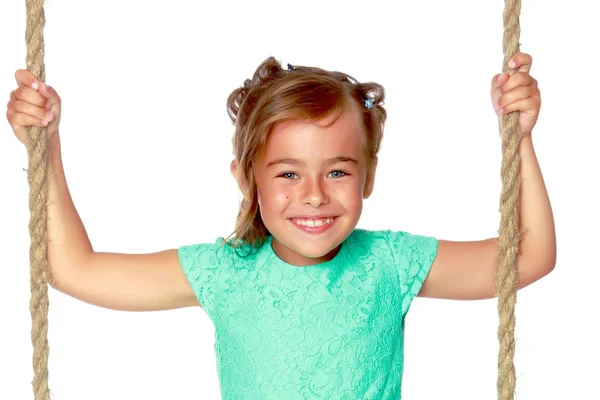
(313, 225)
(312, 221)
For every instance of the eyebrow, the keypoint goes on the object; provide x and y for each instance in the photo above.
(299, 163)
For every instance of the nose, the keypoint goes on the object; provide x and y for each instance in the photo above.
(314, 193)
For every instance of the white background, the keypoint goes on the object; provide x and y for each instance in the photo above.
(146, 147)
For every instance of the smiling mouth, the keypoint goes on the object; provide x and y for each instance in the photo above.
(313, 225)
(312, 222)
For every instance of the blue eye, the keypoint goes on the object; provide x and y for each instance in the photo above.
(337, 174)
(289, 175)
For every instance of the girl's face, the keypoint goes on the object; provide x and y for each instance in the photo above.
(311, 181)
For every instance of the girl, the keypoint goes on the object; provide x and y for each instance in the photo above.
(304, 304)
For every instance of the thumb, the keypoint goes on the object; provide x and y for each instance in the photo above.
(53, 99)
(49, 93)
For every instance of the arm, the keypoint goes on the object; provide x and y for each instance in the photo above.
(466, 270)
(128, 282)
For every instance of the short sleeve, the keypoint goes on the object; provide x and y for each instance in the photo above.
(200, 263)
(413, 256)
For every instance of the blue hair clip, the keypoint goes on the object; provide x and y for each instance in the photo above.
(369, 103)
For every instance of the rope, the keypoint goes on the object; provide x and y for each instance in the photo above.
(509, 233)
(37, 154)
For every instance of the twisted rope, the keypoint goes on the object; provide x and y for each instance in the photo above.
(509, 233)
(37, 154)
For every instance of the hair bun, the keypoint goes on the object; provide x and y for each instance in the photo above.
(373, 91)
(268, 71)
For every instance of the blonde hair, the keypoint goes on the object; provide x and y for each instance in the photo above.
(274, 95)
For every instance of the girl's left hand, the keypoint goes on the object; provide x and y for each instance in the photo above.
(518, 93)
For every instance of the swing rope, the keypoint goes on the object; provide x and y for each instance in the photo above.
(509, 232)
(37, 153)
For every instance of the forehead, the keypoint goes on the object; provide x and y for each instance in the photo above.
(338, 134)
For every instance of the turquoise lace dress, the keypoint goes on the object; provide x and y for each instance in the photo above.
(329, 331)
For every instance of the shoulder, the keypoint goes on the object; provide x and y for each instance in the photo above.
(210, 267)
(395, 241)
(410, 253)
(219, 253)
(207, 253)
(410, 256)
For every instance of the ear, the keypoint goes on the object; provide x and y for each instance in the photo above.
(233, 167)
(370, 179)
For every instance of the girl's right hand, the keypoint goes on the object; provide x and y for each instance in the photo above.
(33, 103)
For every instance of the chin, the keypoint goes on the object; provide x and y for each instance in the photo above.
(311, 245)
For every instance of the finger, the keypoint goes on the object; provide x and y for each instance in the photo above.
(26, 78)
(522, 92)
(12, 98)
(518, 79)
(499, 80)
(24, 107)
(521, 62)
(529, 106)
(49, 93)
(19, 120)
(27, 94)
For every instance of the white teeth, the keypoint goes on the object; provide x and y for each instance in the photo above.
(311, 223)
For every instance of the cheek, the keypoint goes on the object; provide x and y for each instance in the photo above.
(274, 195)
(281, 197)
(350, 194)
